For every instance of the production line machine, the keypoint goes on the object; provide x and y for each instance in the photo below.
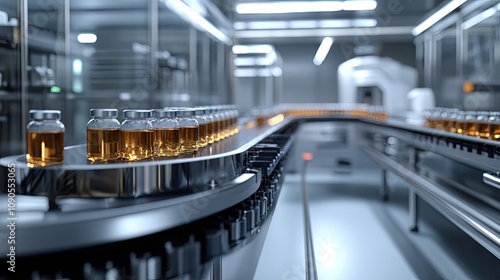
(192, 217)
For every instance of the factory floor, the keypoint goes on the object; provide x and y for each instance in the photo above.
(357, 236)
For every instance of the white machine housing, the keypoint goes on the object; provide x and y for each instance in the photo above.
(394, 79)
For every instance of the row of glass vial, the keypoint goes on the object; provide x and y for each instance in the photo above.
(157, 133)
(481, 124)
(263, 114)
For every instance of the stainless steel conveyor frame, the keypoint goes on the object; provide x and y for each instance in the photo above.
(149, 190)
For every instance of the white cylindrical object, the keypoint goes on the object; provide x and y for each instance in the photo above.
(4, 18)
(421, 98)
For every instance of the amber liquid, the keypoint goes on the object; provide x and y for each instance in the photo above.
(471, 129)
(136, 144)
(495, 131)
(227, 128)
(189, 139)
(460, 127)
(222, 129)
(216, 131)
(446, 125)
(45, 148)
(232, 126)
(166, 142)
(453, 126)
(483, 130)
(210, 133)
(203, 132)
(103, 144)
(437, 124)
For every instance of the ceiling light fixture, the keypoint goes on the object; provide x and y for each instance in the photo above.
(86, 38)
(437, 16)
(304, 24)
(359, 5)
(192, 16)
(480, 17)
(284, 7)
(248, 49)
(323, 50)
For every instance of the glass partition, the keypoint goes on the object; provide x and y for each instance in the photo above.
(468, 49)
(84, 54)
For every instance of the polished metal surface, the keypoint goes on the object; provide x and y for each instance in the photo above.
(74, 228)
(45, 115)
(104, 113)
(136, 114)
(310, 259)
(476, 219)
(162, 113)
(492, 179)
(477, 152)
(215, 164)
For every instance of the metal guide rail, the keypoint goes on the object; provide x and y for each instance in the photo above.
(480, 153)
(477, 219)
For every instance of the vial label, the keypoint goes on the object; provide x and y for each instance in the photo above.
(166, 142)
(103, 144)
(189, 139)
(45, 148)
(136, 144)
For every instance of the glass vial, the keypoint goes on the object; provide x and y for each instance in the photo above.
(45, 138)
(483, 126)
(210, 126)
(234, 120)
(470, 123)
(103, 135)
(202, 120)
(166, 133)
(189, 130)
(136, 135)
(216, 123)
(459, 122)
(494, 121)
(226, 116)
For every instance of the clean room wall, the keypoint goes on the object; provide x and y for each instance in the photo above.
(305, 82)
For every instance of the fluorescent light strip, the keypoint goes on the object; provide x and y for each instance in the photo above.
(325, 32)
(480, 17)
(304, 24)
(247, 49)
(437, 16)
(87, 38)
(254, 61)
(359, 5)
(255, 72)
(323, 50)
(284, 7)
(196, 19)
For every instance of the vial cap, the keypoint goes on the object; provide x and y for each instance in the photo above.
(165, 113)
(103, 113)
(136, 114)
(186, 112)
(201, 111)
(45, 114)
